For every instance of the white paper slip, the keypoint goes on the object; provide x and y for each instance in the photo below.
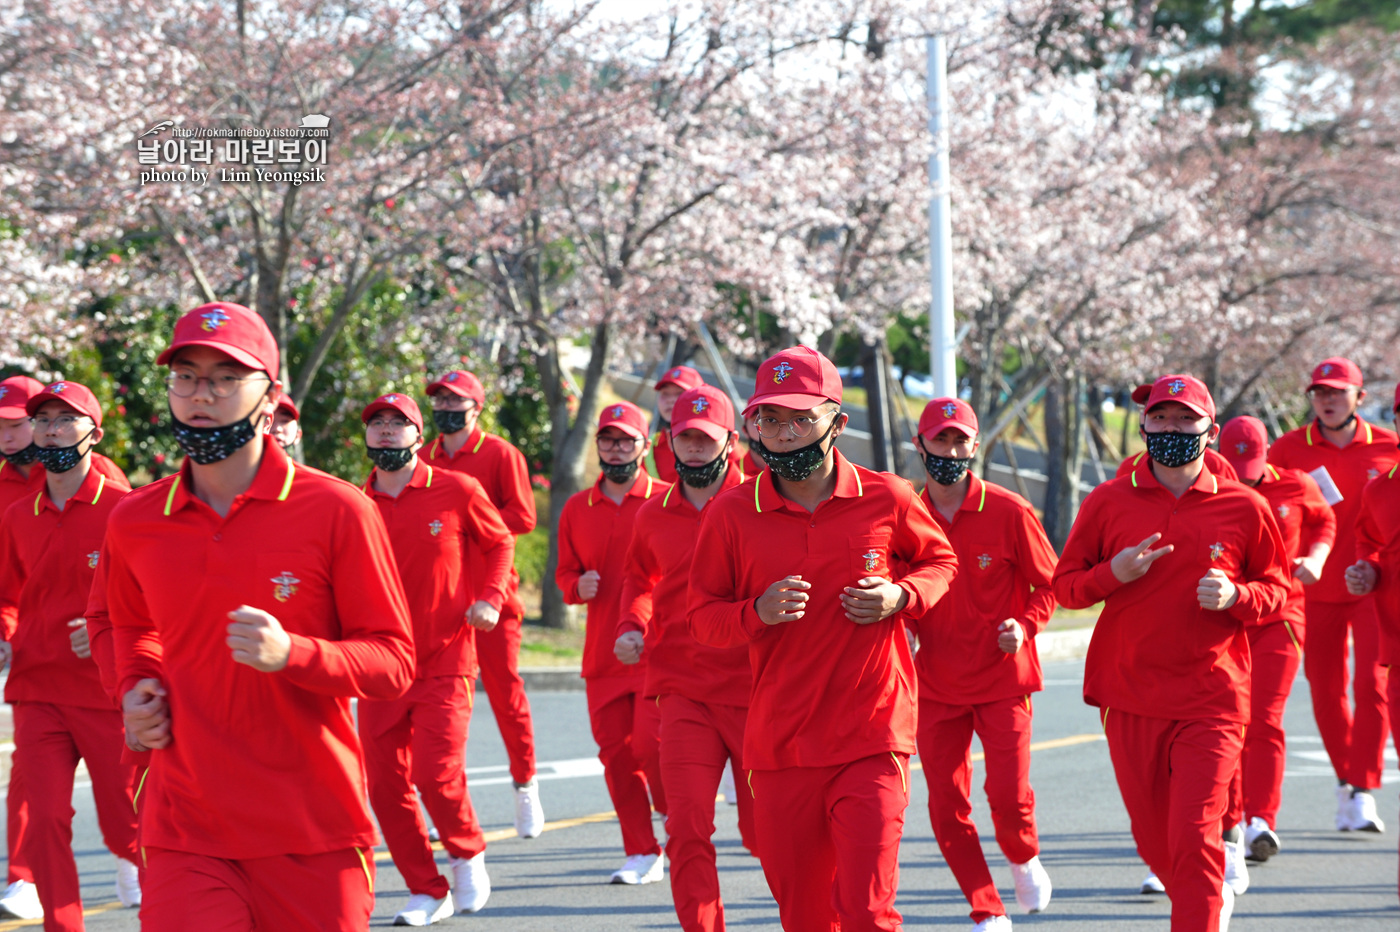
(1324, 482)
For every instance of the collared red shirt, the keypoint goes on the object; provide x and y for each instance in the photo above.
(47, 562)
(1304, 520)
(1005, 564)
(826, 690)
(432, 524)
(593, 535)
(654, 602)
(503, 473)
(1370, 454)
(14, 484)
(1378, 543)
(260, 764)
(1155, 651)
(1218, 465)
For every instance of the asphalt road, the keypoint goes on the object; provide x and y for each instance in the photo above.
(1323, 879)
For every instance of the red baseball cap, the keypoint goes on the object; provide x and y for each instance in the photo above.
(285, 403)
(626, 417)
(947, 412)
(78, 397)
(461, 382)
(797, 378)
(1185, 389)
(706, 408)
(1336, 373)
(1245, 445)
(683, 377)
(15, 393)
(231, 329)
(394, 402)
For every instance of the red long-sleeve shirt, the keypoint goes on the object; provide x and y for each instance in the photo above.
(1371, 453)
(503, 473)
(260, 764)
(1378, 542)
(593, 535)
(47, 562)
(1005, 564)
(1304, 520)
(654, 602)
(1218, 465)
(432, 524)
(1155, 652)
(826, 690)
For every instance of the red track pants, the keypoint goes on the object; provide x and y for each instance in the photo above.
(830, 841)
(1275, 657)
(498, 653)
(16, 825)
(420, 740)
(1393, 697)
(1175, 777)
(331, 892)
(624, 725)
(50, 739)
(1356, 743)
(696, 739)
(945, 745)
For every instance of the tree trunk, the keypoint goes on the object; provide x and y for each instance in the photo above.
(876, 405)
(1065, 456)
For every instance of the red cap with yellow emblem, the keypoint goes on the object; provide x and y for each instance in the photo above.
(799, 378)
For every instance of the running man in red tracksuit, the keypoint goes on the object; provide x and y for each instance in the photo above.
(661, 459)
(1168, 665)
(798, 565)
(462, 445)
(434, 517)
(594, 528)
(50, 544)
(702, 692)
(978, 665)
(1218, 465)
(250, 599)
(1343, 453)
(1308, 527)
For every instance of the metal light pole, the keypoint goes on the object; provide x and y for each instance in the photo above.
(942, 342)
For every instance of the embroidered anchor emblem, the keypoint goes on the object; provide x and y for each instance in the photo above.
(1372, 473)
(451, 377)
(1217, 550)
(58, 388)
(92, 559)
(435, 527)
(617, 411)
(872, 560)
(391, 398)
(984, 561)
(780, 372)
(1283, 511)
(950, 409)
(1327, 369)
(213, 320)
(286, 586)
(699, 405)
(1176, 386)
(1241, 448)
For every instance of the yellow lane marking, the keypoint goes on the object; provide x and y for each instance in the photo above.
(22, 923)
(1038, 746)
(504, 833)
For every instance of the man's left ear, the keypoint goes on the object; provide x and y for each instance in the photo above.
(1213, 432)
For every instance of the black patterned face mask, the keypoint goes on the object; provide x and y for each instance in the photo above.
(946, 470)
(61, 459)
(706, 474)
(205, 445)
(23, 457)
(449, 422)
(390, 459)
(618, 473)
(796, 465)
(1174, 449)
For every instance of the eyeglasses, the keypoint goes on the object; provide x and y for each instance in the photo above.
(62, 422)
(185, 384)
(621, 444)
(392, 423)
(1327, 391)
(801, 426)
(450, 401)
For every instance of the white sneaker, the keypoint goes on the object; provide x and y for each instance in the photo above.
(470, 886)
(726, 785)
(1261, 840)
(424, 910)
(1236, 870)
(433, 835)
(128, 883)
(1227, 907)
(1150, 884)
(529, 814)
(1343, 808)
(640, 868)
(1032, 885)
(21, 901)
(1364, 817)
(994, 924)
